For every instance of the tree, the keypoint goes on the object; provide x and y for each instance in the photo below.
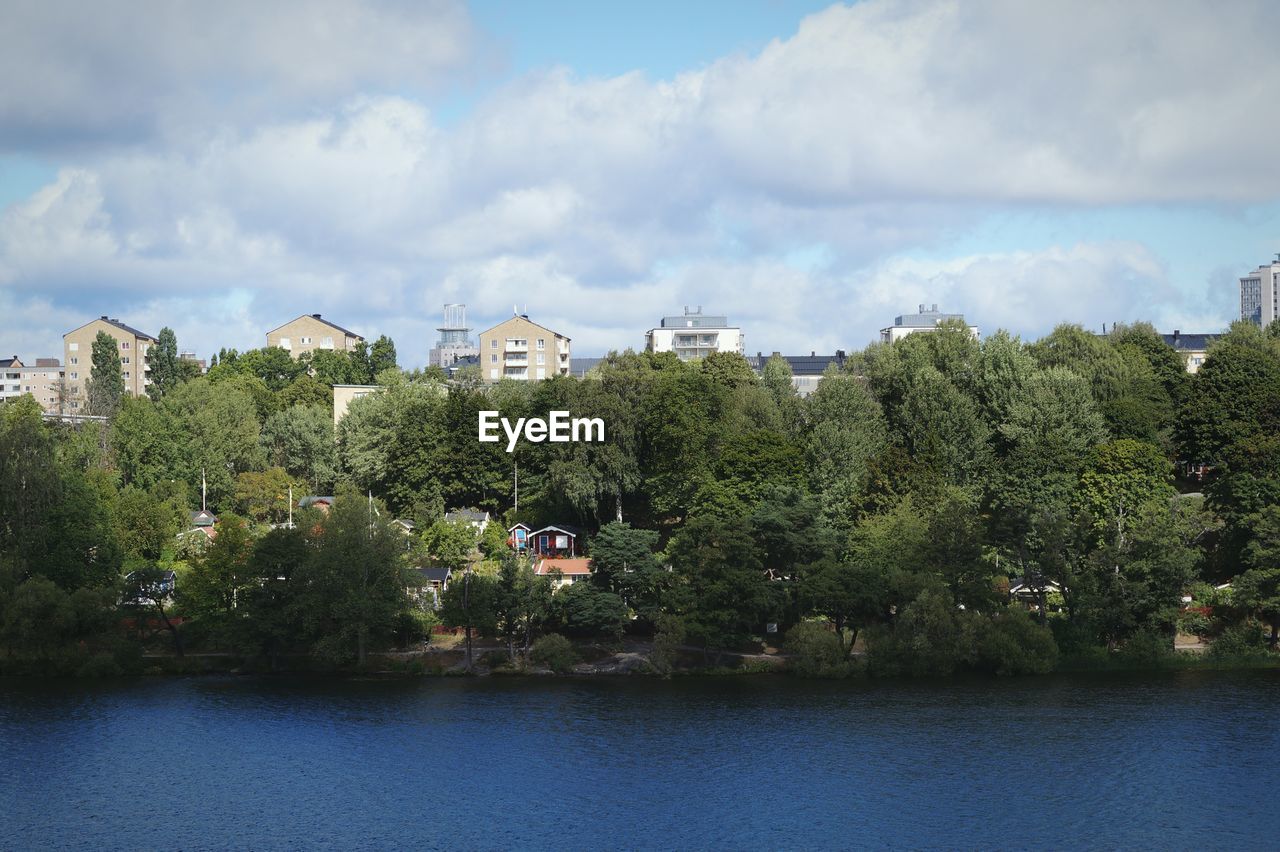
(144, 526)
(624, 561)
(382, 356)
(851, 594)
(1118, 479)
(106, 380)
(264, 497)
(220, 576)
(300, 440)
(163, 360)
(1257, 590)
(142, 438)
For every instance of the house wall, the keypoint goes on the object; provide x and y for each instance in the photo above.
(77, 351)
(693, 343)
(309, 333)
(344, 394)
(502, 355)
(43, 382)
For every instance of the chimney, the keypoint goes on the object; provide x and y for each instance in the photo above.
(922, 307)
(317, 316)
(1176, 333)
(104, 316)
(813, 353)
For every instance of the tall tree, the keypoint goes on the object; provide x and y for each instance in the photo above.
(382, 356)
(163, 359)
(106, 379)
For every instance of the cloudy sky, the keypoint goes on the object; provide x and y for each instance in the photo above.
(810, 170)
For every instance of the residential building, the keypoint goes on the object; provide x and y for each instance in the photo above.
(579, 368)
(201, 363)
(564, 572)
(518, 537)
(694, 335)
(1193, 348)
(520, 349)
(475, 517)
(45, 381)
(344, 395)
(1260, 294)
(555, 541)
(434, 580)
(310, 332)
(321, 503)
(132, 347)
(928, 319)
(10, 378)
(455, 341)
(806, 370)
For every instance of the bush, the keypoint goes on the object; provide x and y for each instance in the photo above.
(816, 651)
(1146, 648)
(931, 637)
(1012, 643)
(100, 665)
(493, 659)
(1240, 640)
(666, 643)
(555, 652)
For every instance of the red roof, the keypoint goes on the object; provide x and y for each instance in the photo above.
(569, 567)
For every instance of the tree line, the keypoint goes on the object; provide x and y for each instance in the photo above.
(889, 511)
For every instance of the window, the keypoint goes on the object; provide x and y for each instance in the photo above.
(493, 374)
(75, 375)
(304, 340)
(542, 359)
(542, 344)
(493, 344)
(124, 359)
(286, 343)
(327, 343)
(542, 372)
(75, 360)
(74, 347)
(124, 344)
(126, 374)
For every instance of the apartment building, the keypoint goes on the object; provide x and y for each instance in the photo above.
(694, 335)
(310, 332)
(522, 350)
(1260, 294)
(928, 319)
(1194, 348)
(131, 345)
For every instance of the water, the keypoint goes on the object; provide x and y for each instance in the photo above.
(1173, 760)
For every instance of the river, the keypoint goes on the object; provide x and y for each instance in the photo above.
(1171, 760)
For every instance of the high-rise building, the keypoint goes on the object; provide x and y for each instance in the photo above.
(131, 345)
(928, 319)
(694, 335)
(1260, 294)
(522, 350)
(455, 342)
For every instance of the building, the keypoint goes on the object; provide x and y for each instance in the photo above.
(455, 342)
(477, 518)
(522, 350)
(131, 344)
(1260, 294)
(344, 395)
(310, 332)
(806, 370)
(557, 542)
(564, 572)
(925, 320)
(10, 378)
(694, 335)
(45, 381)
(580, 368)
(1193, 348)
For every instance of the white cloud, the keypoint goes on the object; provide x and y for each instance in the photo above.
(303, 171)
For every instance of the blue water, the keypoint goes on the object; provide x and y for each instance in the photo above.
(1174, 760)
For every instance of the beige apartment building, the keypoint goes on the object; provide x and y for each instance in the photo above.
(522, 350)
(43, 380)
(310, 332)
(131, 345)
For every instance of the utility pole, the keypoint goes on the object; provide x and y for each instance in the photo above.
(203, 491)
(517, 479)
(290, 505)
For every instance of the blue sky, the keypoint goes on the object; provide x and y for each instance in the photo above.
(809, 169)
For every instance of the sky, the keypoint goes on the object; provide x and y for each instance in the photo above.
(809, 170)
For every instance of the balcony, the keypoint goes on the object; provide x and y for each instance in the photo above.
(517, 360)
(517, 346)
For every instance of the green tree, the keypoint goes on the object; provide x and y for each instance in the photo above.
(217, 580)
(1257, 590)
(300, 440)
(624, 560)
(382, 356)
(163, 360)
(105, 387)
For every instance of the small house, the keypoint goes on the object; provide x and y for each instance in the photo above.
(141, 591)
(313, 501)
(204, 523)
(564, 572)
(435, 580)
(556, 541)
(1031, 591)
(518, 537)
(476, 518)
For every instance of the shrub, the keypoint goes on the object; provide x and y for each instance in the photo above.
(816, 651)
(1240, 640)
(1013, 643)
(100, 665)
(666, 643)
(1146, 648)
(555, 652)
(931, 637)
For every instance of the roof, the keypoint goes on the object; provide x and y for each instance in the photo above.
(117, 324)
(406, 523)
(1032, 584)
(312, 499)
(531, 322)
(577, 566)
(518, 526)
(581, 366)
(15, 361)
(48, 362)
(203, 518)
(1189, 342)
(695, 321)
(576, 532)
(471, 515)
(924, 319)
(434, 573)
(332, 325)
(801, 365)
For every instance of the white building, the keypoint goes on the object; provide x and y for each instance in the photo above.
(1260, 294)
(694, 335)
(454, 344)
(925, 320)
